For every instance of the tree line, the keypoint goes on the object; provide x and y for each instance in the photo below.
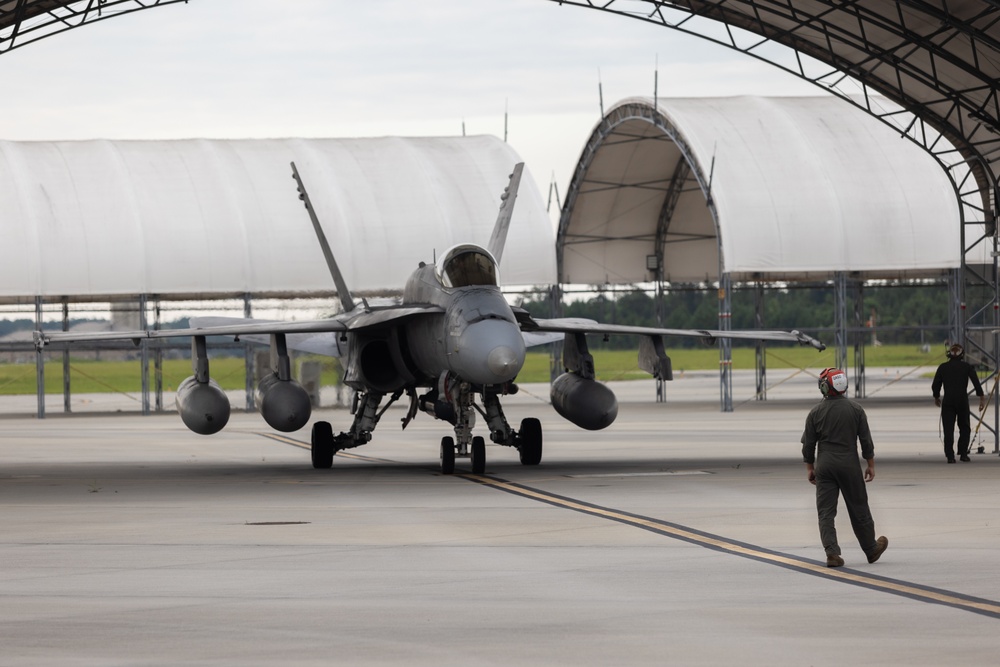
(907, 313)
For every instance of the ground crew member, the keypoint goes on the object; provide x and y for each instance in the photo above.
(954, 376)
(836, 425)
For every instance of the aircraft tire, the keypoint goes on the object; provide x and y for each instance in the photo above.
(322, 445)
(447, 455)
(530, 447)
(478, 455)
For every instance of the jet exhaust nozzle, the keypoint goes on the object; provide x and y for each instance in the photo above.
(203, 406)
(587, 403)
(284, 404)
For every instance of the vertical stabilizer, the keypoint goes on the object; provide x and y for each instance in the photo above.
(499, 237)
(338, 279)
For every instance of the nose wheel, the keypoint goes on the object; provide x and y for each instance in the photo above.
(476, 453)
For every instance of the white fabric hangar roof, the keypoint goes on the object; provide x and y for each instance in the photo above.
(195, 218)
(802, 188)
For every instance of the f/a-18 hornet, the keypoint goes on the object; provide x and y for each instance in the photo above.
(452, 345)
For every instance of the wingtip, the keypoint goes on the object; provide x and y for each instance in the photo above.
(805, 339)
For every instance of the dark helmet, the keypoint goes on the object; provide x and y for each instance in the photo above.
(832, 381)
(956, 351)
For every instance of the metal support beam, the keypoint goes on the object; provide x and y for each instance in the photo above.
(661, 383)
(67, 398)
(157, 362)
(859, 338)
(760, 349)
(39, 362)
(144, 355)
(248, 358)
(725, 344)
(840, 319)
(956, 313)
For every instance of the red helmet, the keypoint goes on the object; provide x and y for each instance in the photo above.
(832, 381)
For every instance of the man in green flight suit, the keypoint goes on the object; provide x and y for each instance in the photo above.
(836, 425)
(954, 375)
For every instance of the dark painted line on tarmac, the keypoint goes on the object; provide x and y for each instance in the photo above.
(845, 575)
(341, 454)
(718, 543)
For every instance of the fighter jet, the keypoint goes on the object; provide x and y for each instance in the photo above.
(451, 344)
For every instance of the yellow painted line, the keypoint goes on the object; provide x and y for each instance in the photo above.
(906, 589)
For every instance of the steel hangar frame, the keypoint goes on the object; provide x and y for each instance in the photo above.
(940, 61)
(25, 21)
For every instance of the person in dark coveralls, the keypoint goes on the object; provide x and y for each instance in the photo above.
(954, 376)
(830, 451)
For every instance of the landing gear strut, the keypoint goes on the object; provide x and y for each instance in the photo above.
(463, 442)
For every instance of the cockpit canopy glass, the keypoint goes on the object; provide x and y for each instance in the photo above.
(467, 265)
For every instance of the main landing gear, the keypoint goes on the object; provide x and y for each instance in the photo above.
(527, 440)
(528, 443)
(366, 415)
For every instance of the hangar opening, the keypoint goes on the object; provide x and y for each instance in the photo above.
(750, 191)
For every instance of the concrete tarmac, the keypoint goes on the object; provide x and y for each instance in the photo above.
(680, 535)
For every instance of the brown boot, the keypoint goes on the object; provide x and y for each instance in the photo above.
(881, 544)
(834, 561)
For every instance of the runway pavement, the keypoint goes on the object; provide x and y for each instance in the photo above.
(680, 535)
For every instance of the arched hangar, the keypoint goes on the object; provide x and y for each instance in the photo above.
(92, 220)
(753, 189)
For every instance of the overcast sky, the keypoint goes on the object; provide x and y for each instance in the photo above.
(339, 68)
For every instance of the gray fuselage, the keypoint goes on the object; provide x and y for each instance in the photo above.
(477, 337)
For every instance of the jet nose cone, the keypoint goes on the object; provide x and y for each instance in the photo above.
(488, 353)
(503, 362)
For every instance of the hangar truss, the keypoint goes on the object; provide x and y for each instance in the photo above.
(25, 21)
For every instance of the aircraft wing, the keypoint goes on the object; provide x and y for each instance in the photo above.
(580, 325)
(307, 335)
(326, 343)
(533, 338)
